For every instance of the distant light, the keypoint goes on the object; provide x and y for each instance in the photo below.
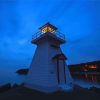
(90, 66)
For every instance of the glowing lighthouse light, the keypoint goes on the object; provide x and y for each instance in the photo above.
(48, 28)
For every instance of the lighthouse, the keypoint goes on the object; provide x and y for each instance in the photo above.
(48, 70)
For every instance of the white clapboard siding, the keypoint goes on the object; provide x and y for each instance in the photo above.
(42, 74)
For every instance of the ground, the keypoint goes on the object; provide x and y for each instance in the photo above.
(22, 93)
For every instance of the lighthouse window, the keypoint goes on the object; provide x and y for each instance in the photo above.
(48, 29)
(51, 30)
(44, 30)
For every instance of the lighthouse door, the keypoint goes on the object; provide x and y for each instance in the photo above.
(61, 72)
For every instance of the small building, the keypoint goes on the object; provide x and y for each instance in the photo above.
(48, 70)
(89, 71)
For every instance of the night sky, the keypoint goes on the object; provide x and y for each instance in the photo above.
(79, 20)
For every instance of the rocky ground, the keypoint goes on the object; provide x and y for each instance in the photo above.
(21, 93)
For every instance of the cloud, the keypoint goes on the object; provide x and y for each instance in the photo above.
(77, 19)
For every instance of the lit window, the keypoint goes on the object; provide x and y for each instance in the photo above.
(48, 28)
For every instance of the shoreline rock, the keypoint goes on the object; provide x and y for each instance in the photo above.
(22, 71)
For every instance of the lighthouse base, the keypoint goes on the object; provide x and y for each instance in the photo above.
(45, 89)
(50, 89)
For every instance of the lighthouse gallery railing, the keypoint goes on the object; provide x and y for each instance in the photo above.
(58, 34)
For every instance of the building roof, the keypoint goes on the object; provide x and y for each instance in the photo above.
(87, 63)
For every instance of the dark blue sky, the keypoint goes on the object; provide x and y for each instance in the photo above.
(79, 20)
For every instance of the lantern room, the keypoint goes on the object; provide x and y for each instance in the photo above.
(48, 28)
(51, 32)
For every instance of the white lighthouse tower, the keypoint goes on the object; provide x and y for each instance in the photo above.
(48, 70)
